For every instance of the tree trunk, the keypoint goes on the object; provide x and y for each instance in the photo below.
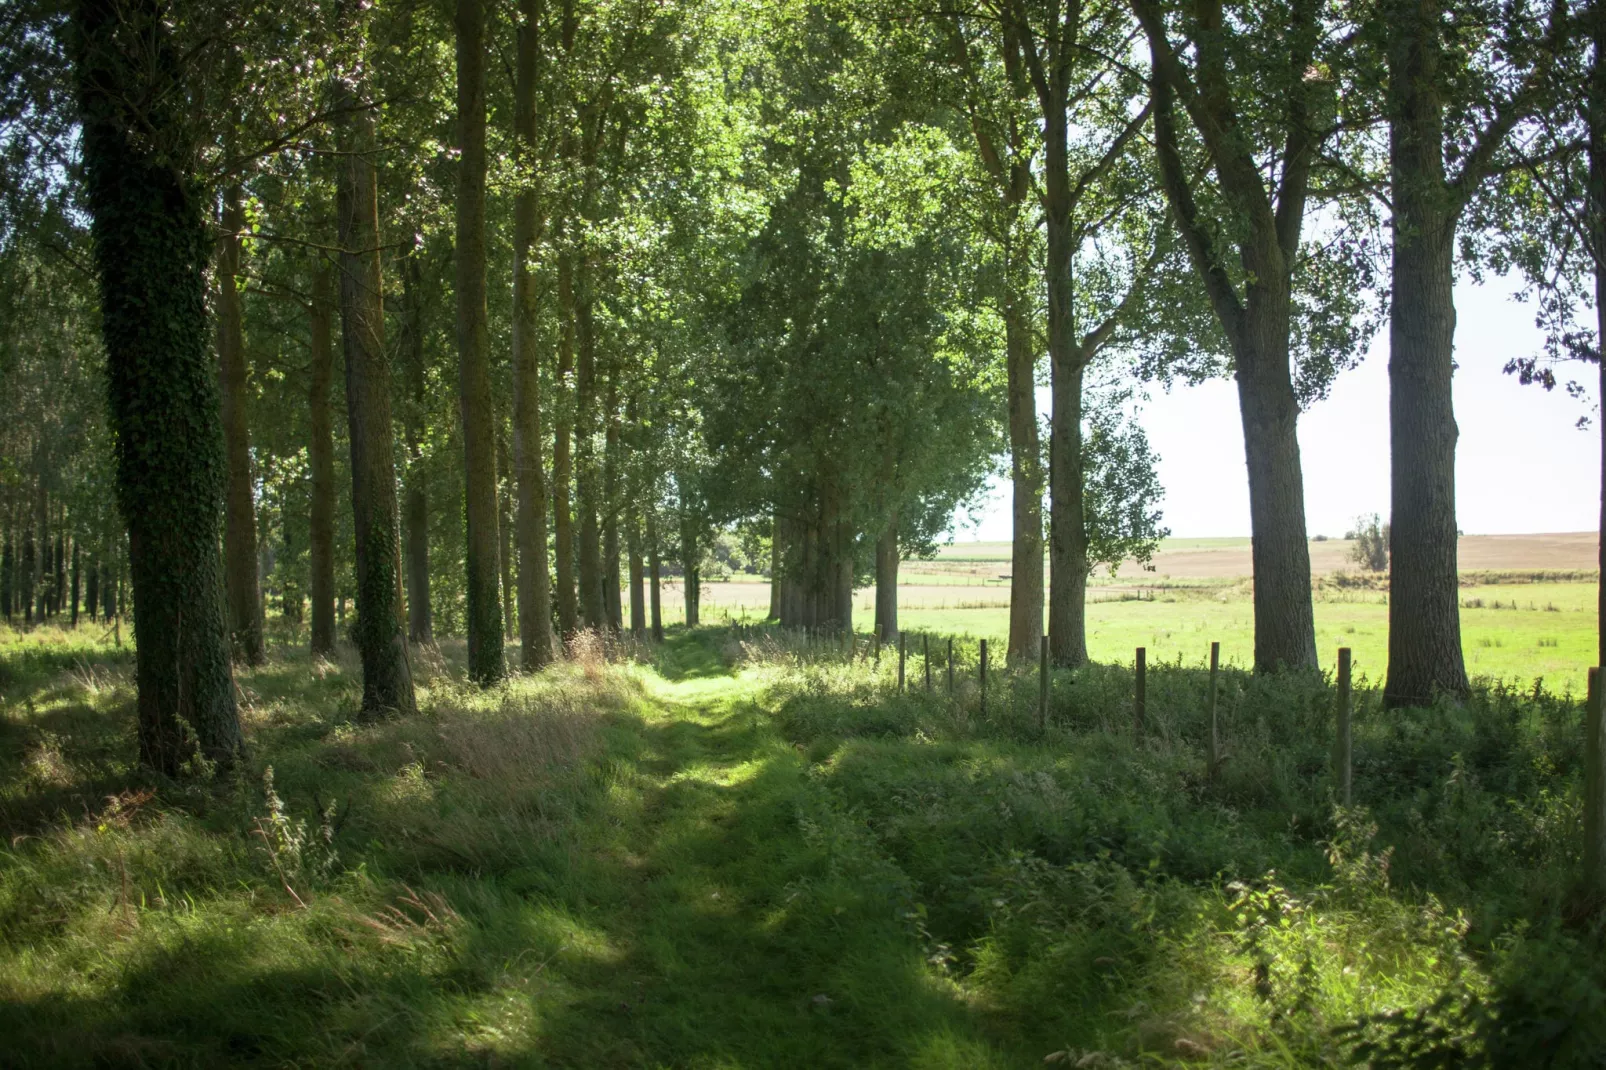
(691, 581)
(484, 609)
(1026, 472)
(611, 594)
(239, 514)
(593, 608)
(504, 528)
(638, 598)
(91, 587)
(534, 590)
(76, 565)
(775, 568)
(886, 582)
(568, 604)
(1596, 115)
(321, 461)
(387, 675)
(25, 587)
(1068, 552)
(1425, 656)
(1285, 627)
(655, 577)
(59, 593)
(415, 509)
(151, 248)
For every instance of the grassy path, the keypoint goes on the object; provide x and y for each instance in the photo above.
(752, 926)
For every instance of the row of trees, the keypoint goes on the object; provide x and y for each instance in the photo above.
(609, 276)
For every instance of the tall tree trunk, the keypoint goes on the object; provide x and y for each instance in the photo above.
(40, 590)
(535, 593)
(593, 608)
(239, 513)
(59, 598)
(484, 609)
(1425, 656)
(1068, 550)
(151, 249)
(76, 565)
(655, 577)
(1285, 625)
(504, 528)
(91, 587)
(386, 674)
(638, 595)
(25, 586)
(1596, 114)
(886, 582)
(691, 580)
(321, 461)
(611, 594)
(563, 548)
(415, 510)
(1026, 473)
(776, 553)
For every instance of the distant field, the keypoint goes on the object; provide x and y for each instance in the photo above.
(1200, 592)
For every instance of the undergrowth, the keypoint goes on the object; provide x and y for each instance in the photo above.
(744, 849)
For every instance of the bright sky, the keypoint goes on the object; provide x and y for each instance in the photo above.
(1521, 464)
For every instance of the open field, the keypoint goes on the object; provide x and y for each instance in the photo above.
(1199, 593)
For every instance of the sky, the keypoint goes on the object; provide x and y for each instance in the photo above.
(1522, 465)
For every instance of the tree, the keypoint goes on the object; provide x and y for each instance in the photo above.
(387, 675)
(485, 662)
(535, 599)
(1237, 167)
(1439, 159)
(151, 249)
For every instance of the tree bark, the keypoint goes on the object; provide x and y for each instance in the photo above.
(568, 604)
(611, 594)
(1068, 552)
(484, 609)
(638, 598)
(239, 513)
(534, 590)
(775, 568)
(321, 461)
(76, 565)
(886, 582)
(91, 586)
(151, 248)
(1026, 474)
(1596, 116)
(1425, 656)
(387, 675)
(420, 618)
(593, 608)
(655, 577)
(504, 527)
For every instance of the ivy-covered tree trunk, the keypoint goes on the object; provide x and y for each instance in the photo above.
(151, 250)
(534, 589)
(567, 601)
(484, 609)
(321, 460)
(387, 682)
(1425, 656)
(1026, 475)
(239, 513)
(886, 582)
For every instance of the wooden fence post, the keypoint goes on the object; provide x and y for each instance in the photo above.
(1042, 688)
(925, 655)
(1140, 694)
(984, 677)
(1215, 738)
(1594, 790)
(950, 665)
(1343, 752)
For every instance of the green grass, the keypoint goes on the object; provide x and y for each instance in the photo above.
(751, 854)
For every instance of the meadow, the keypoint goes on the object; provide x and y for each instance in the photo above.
(1528, 604)
(739, 850)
